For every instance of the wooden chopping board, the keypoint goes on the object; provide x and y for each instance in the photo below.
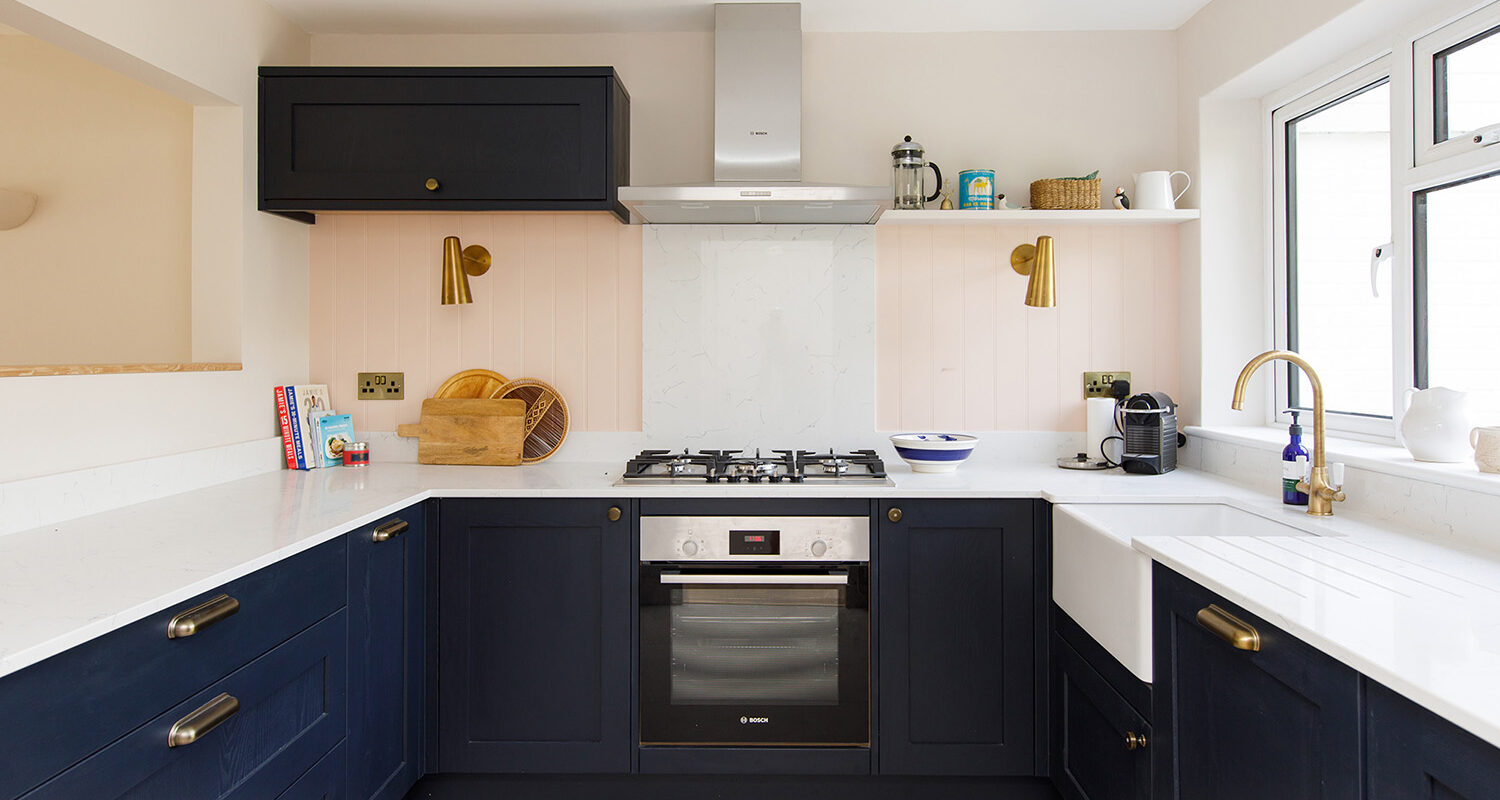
(481, 432)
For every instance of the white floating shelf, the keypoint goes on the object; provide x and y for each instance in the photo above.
(1028, 216)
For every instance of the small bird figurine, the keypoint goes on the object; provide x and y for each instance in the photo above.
(1122, 201)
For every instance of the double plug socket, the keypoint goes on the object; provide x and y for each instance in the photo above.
(1102, 384)
(380, 386)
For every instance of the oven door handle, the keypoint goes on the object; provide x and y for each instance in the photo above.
(839, 579)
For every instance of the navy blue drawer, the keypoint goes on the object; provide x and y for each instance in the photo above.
(291, 712)
(325, 781)
(61, 710)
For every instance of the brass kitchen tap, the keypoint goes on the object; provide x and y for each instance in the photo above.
(1321, 493)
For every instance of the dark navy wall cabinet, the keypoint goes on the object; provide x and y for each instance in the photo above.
(387, 580)
(449, 138)
(958, 624)
(1234, 724)
(535, 623)
(1413, 754)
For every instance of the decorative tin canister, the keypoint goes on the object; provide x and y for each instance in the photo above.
(976, 189)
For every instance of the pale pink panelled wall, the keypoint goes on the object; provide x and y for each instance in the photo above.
(562, 302)
(956, 348)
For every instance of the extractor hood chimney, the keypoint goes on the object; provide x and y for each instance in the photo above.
(757, 136)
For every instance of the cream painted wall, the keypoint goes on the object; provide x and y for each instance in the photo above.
(205, 53)
(101, 271)
(1029, 105)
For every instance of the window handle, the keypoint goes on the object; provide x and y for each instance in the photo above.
(1379, 254)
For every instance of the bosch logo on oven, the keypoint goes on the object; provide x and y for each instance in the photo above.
(754, 720)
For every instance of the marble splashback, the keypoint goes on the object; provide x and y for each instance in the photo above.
(758, 335)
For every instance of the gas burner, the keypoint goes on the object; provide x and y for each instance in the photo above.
(733, 466)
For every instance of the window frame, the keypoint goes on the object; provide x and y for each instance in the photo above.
(1417, 165)
(1368, 74)
(1424, 49)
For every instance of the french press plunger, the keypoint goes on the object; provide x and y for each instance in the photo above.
(907, 172)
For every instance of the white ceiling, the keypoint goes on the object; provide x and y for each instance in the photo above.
(593, 16)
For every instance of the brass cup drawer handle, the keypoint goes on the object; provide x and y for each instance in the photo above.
(1135, 741)
(1237, 632)
(199, 617)
(201, 720)
(389, 530)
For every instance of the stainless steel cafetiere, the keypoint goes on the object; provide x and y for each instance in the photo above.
(908, 169)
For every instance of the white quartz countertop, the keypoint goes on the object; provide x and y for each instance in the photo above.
(1412, 613)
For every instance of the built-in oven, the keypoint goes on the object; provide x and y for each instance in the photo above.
(755, 631)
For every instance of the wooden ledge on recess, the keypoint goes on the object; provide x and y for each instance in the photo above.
(38, 370)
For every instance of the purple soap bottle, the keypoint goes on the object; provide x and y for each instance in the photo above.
(1294, 461)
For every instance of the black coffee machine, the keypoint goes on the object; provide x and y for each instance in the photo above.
(1149, 422)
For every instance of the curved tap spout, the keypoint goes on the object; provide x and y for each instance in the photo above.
(1320, 493)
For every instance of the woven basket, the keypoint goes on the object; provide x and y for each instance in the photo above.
(1054, 193)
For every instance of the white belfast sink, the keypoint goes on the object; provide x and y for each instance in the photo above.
(1105, 586)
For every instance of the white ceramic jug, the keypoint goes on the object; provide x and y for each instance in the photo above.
(1435, 426)
(1153, 190)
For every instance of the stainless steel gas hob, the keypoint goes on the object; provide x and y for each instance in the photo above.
(667, 467)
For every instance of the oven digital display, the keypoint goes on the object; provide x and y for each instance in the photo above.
(755, 543)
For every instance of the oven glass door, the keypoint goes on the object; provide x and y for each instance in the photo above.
(765, 655)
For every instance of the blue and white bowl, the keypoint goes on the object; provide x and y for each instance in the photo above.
(933, 452)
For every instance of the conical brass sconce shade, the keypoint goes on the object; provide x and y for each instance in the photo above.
(458, 265)
(1041, 290)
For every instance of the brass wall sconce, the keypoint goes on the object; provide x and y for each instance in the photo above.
(1036, 261)
(458, 265)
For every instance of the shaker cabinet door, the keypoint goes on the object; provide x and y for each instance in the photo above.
(1413, 754)
(958, 625)
(1103, 744)
(1239, 724)
(535, 620)
(387, 579)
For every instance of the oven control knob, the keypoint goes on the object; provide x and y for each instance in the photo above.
(819, 548)
(690, 548)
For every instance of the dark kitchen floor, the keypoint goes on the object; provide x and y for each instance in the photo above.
(725, 787)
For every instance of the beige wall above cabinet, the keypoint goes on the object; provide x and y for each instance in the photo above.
(101, 272)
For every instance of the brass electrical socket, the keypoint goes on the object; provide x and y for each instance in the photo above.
(1100, 384)
(381, 386)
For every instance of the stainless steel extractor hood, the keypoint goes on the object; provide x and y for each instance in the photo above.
(757, 136)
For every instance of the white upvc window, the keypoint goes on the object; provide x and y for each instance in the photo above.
(1386, 227)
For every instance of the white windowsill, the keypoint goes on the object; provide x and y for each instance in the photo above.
(1383, 458)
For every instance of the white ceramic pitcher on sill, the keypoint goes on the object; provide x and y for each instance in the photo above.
(1153, 190)
(1435, 425)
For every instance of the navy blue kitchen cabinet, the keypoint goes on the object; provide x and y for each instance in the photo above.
(1231, 723)
(325, 781)
(1413, 754)
(534, 625)
(68, 707)
(961, 621)
(442, 139)
(1101, 732)
(258, 730)
(387, 648)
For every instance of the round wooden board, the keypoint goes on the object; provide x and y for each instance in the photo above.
(471, 384)
(546, 417)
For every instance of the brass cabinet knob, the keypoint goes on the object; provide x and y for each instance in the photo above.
(894, 515)
(1135, 741)
(432, 184)
(614, 513)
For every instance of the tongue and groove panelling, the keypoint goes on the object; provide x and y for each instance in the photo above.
(957, 349)
(561, 303)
